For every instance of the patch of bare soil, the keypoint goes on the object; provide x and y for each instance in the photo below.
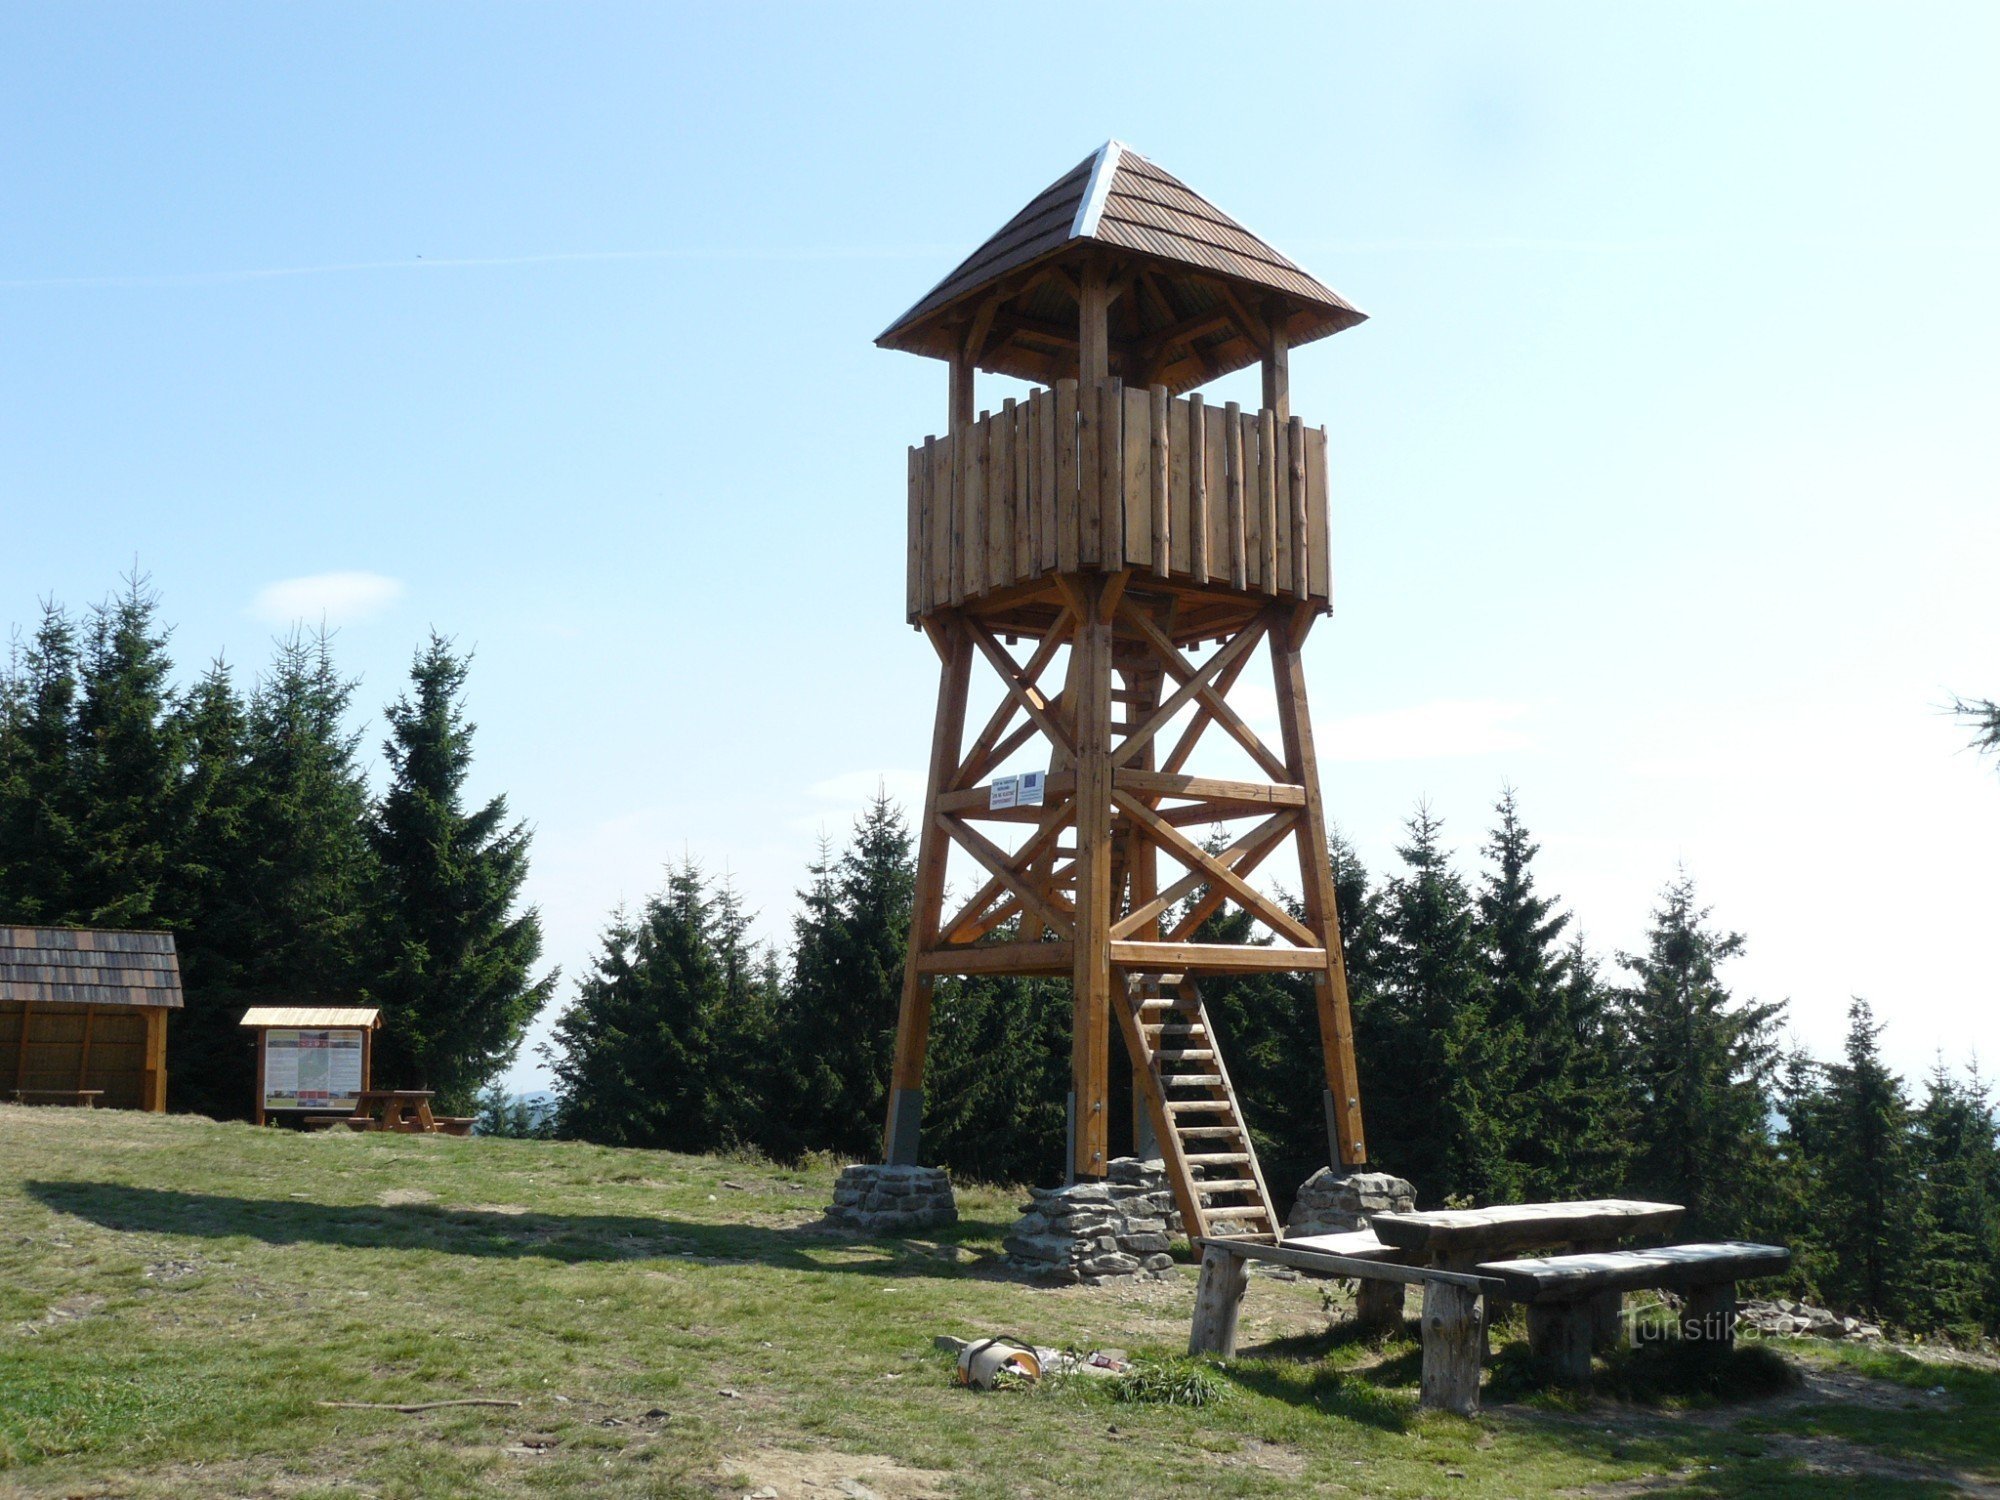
(405, 1197)
(69, 1310)
(1267, 1458)
(790, 1474)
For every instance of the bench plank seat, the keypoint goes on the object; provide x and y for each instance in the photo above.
(1524, 1226)
(1570, 1278)
(1359, 1244)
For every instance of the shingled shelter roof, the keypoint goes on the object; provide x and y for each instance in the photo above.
(1209, 286)
(86, 966)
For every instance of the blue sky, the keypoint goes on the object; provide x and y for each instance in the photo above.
(1664, 480)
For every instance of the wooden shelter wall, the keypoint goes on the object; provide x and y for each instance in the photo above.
(54, 1056)
(1109, 476)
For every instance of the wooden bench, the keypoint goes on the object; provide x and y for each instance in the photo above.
(1563, 1293)
(81, 1098)
(1439, 1252)
(455, 1124)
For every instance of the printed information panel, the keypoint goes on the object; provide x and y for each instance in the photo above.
(312, 1069)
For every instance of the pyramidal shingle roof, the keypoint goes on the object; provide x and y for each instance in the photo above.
(1118, 199)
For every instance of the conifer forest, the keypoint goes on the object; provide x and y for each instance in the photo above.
(1501, 1055)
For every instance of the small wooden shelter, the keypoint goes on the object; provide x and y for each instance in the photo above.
(312, 1059)
(83, 1015)
(1140, 547)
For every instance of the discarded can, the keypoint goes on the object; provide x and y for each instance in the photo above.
(983, 1362)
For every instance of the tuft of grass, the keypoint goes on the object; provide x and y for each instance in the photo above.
(1168, 1382)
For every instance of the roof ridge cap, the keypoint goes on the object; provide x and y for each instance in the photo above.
(1090, 209)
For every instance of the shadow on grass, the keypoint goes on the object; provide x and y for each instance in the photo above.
(486, 1233)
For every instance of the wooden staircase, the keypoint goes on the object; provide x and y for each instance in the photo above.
(1178, 1068)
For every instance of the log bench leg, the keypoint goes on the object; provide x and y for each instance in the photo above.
(1453, 1333)
(1708, 1315)
(1218, 1300)
(1560, 1337)
(1378, 1306)
(1607, 1309)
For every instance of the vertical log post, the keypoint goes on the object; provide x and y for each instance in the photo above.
(1378, 1306)
(1346, 1146)
(1090, 689)
(263, 1088)
(913, 1016)
(1218, 1302)
(1452, 1330)
(1278, 369)
(155, 1077)
(1559, 1336)
(1607, 1309)
(1708, 1316)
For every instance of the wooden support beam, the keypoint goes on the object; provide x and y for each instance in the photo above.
(1093, 312)
(1023, 693)
(1052, 912)
(1199, 861)
(1046, 959)
(913, 1015)
(153, 1082)
(1194, 682)
(1250, 848)
(1090, 690)
(1347, 1146)
(1278, 372)
(1215, 958)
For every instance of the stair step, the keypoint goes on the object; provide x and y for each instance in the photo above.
(1199, 1106)
(1254, 1211)
(1204, 1132)
(1228, 1185)
(1192, 1080)
(1185, 1054)
(1219, 1159)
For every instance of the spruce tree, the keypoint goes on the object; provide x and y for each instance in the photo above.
(1868, 1196)
(453, 957)
(634, 1056)
(838, 1026)
(1958, 1157)
(41, 838)
(206, 898)
(1533, 1041)
(1433, 1062)
(128, 762)
(1701, 1065)
(305, 829)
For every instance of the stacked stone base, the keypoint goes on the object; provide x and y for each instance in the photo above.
(871, 1199)
(1094, 1232)
(1329, 1203)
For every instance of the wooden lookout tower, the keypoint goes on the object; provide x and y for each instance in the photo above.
(1119, 553)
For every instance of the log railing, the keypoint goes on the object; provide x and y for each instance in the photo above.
(1105, 477)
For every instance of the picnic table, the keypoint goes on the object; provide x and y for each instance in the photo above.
(407, 1111)
(1448, 1252)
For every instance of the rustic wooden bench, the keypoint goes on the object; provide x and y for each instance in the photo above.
(455, 1124)
(1563, 1293)
(81, 1098)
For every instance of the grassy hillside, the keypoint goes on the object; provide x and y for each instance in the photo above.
(177, 1299)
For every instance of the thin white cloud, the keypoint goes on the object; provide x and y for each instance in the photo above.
(336, 598)
(1444, 728)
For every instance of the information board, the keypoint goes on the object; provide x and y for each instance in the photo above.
(312, 1069)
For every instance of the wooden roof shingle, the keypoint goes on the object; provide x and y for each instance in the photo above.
(1119, 201)
(88, 966)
